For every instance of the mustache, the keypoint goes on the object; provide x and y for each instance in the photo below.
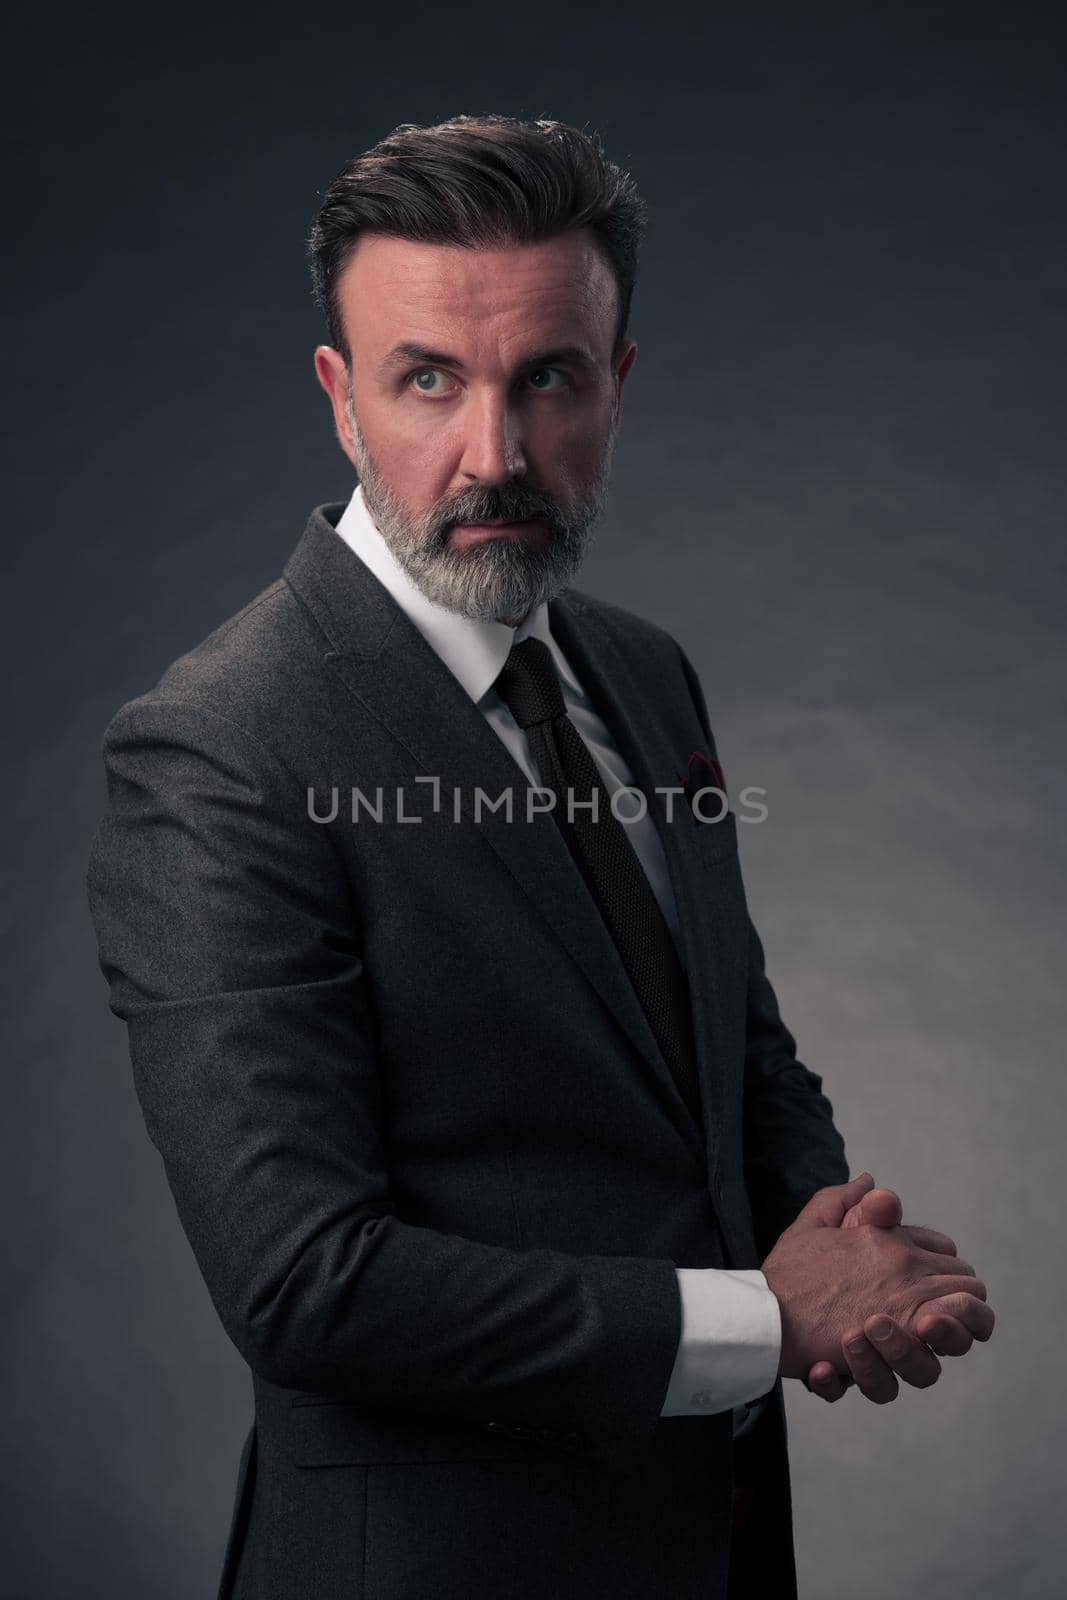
(510, 503)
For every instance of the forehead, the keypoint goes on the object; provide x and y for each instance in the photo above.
(560, 288)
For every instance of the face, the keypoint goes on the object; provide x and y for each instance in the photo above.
(481, 410)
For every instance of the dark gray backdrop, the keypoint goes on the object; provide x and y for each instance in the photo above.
(840, 484)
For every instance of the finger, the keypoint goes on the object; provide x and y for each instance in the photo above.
(967, 1308)
(930, 1239)
(903, 1352)
(827, 1207)
(937, 1261)
(881, 1208)
(947, 1284)
(945, 1335)
(826, 1382)
(873, 1377)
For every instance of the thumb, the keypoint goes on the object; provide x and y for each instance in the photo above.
(827, 1207)
(880, 1207)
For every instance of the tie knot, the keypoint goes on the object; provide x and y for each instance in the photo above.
(529, 684)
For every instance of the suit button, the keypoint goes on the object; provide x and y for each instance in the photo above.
(546, 1435)
(494, 1427)
(521, 1431)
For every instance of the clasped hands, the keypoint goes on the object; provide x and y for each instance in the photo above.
(867, 1299)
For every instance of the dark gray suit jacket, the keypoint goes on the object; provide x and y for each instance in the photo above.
(433, 1168)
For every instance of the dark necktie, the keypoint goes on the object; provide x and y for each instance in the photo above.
(604, 855)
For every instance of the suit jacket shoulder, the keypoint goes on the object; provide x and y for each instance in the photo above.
(628, 628)
(245, 667)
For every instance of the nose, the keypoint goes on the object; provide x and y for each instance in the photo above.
(492, 445)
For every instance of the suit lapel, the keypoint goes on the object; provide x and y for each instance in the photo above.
(385, 663)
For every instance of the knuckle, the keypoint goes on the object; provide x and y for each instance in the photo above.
(898, 1250)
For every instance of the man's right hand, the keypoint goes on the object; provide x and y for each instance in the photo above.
(829, 1279)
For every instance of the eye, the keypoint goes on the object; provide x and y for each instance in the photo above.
(431, 373)
(543, 372)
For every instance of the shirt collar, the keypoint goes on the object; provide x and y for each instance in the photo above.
(474, 651)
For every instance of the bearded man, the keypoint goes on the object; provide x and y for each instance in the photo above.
(419, 893)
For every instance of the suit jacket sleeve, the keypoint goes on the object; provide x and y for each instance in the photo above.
(791, 1146)
(227, 932)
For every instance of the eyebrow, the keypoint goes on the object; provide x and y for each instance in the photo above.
(404, 354)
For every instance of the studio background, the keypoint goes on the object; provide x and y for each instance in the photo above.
(840, 484)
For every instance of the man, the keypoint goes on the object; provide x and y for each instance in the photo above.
(445, 1009)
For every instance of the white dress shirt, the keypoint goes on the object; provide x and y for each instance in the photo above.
(731, 1325)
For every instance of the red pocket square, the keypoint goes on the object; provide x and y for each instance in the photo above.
(702, 772)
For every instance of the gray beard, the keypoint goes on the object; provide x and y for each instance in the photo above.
(499, 579)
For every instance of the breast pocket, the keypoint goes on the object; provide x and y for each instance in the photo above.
(715, 841)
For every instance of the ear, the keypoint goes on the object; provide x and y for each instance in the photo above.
(332, 374)
(623, 362)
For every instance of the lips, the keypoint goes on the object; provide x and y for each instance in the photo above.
(466, 534)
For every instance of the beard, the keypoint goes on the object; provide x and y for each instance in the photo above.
(498, 578)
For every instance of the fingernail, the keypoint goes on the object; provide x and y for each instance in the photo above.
(856, 1346)
(881, 1329)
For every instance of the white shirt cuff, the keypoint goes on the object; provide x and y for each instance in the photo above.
(731, 1341)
